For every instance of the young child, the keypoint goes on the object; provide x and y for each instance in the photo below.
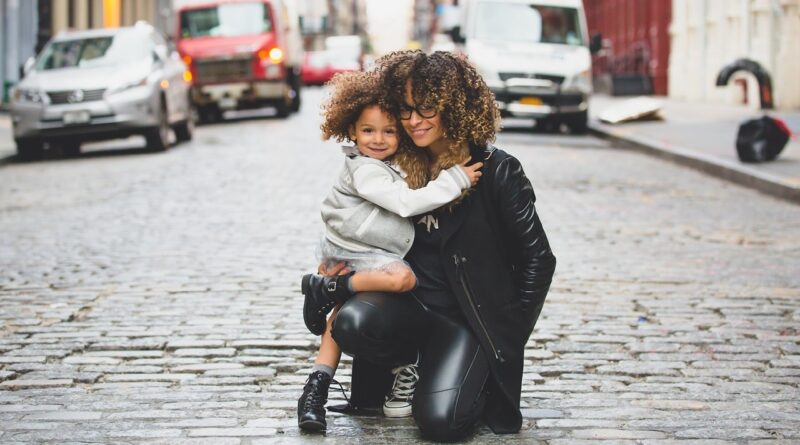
(366, 227)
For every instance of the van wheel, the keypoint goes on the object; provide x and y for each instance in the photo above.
(158, 137)
(71, 148)
(579, 123)
(29, 149)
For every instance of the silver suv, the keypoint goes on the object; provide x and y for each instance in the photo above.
(101, 84)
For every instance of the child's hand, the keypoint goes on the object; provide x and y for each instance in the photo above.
(339, 268)
(472, 171)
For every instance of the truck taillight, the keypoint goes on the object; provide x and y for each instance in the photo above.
(274, 55)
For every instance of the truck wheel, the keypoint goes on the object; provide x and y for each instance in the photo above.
(184, 130)
(158, 136)
(29, 149)
(209, 114)
(283, 108)
(297, 85)
(579, 123)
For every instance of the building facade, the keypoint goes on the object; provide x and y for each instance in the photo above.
(636, 45)
(709, 34)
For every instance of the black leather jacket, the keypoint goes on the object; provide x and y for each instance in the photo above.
(500, 266)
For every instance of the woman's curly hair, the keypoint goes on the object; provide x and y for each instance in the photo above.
(351, 93)
(450, 83)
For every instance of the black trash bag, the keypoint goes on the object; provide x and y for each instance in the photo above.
(761, 139)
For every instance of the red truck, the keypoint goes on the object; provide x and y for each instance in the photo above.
(241, 54)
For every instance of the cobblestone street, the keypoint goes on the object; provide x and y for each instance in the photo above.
(154, 297)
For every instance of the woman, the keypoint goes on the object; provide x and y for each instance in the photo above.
(483, 264)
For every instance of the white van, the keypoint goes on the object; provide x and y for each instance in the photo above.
(534, 55)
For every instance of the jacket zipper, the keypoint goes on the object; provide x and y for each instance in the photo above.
(462, 279)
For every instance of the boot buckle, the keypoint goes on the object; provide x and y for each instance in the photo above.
(331, 286)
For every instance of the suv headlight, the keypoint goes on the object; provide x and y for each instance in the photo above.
(127, 86)
(28, 95)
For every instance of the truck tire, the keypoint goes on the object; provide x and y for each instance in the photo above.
(29, 149)
(158, 136)
(283, 108)
(297, 85)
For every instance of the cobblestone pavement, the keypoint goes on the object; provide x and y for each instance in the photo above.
(153, 297)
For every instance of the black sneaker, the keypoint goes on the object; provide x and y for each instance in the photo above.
(311, 405)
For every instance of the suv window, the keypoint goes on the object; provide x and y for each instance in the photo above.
(124, 47)
(226, 20)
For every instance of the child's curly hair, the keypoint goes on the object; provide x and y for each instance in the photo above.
(352, 92)
(450, 83)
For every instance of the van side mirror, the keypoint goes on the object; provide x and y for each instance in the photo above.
(596, 43)
(455, 34)
(27, 67)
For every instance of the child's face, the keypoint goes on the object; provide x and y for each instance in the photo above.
(375, 133)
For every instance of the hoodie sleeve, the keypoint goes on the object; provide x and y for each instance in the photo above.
(375, 184)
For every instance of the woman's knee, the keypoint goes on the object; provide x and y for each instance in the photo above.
(358, 321)
(435, 415)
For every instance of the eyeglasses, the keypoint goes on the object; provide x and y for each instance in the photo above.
(424, 111)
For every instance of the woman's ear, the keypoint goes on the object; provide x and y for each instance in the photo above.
(351, 133)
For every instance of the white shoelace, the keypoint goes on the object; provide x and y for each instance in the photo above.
(405, 380)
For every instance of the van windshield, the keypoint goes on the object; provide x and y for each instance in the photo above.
(126, 46)
(226, 20)
(528, 23)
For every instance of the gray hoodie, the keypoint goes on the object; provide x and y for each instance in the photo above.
(369, 206)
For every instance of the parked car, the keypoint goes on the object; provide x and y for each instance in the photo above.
(317, 68)
(101, 84)
(242, 53)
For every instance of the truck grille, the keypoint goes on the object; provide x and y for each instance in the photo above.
(223, 70)
(75, 96)
(555, 79)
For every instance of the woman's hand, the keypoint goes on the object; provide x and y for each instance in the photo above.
(472, 171)
(339, 268)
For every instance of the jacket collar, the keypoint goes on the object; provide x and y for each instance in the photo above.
(351, 152)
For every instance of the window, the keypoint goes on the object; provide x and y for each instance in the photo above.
(124, 47)
(528, 23)
(226, 20)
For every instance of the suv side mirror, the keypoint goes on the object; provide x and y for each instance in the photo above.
(27, 67)
(596, 43)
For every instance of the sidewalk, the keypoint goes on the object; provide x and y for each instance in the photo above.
(703, 136)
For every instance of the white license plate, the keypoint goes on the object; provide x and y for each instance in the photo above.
(76, 117)
(227, 103)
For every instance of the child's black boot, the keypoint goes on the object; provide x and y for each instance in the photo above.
(322, 294)
(311, 405)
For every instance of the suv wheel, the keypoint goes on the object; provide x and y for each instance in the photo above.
(158, 137)
(29, 149)
(184, 130)
(296, 84)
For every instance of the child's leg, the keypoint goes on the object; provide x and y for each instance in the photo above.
(329, 352)
(393, 279)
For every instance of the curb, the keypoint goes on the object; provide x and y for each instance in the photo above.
(719, 168)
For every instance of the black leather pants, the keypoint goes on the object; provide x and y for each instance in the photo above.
(390, 328)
